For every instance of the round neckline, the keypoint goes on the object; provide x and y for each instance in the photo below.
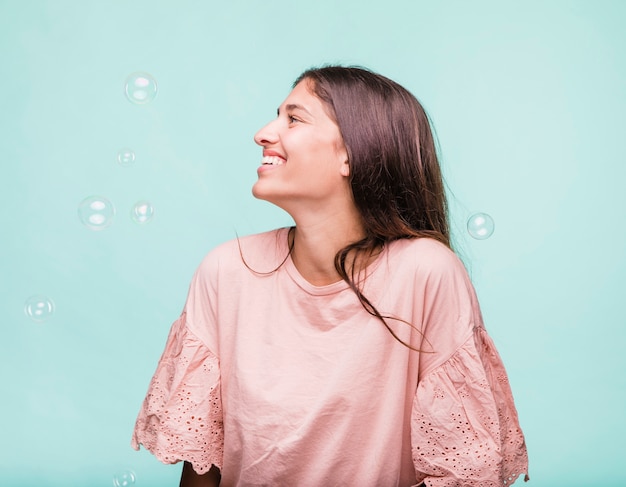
(299, 279)
(327, 289)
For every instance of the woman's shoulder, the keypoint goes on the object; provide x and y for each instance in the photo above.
(426, 254)
(256, 250)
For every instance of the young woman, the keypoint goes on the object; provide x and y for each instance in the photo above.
(348, 350)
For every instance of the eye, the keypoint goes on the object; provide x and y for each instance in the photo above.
(293, 119)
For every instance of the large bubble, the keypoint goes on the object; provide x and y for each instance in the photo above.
(96, 212)
(480, 226)
(140, 88)
(39, 308)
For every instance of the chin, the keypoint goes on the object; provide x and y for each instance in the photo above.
(271, 197)
(261, 193)
(257, 192)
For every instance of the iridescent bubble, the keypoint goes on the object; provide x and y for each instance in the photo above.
(125, 157)
(39, 308)
(140, 88)
(96, 212)
(124, 479)
(480, 226)
(142, 212)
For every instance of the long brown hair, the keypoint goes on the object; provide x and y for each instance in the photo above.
(395, 174)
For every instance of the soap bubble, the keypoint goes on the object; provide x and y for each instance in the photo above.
(96, 212)
(142, 212)
(125, 157)
(140, 88)
(480, 226)
(39, 308)
(124, 479)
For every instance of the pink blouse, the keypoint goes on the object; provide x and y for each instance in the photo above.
(281, 383)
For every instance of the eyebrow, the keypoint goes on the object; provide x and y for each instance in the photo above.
(293, 106)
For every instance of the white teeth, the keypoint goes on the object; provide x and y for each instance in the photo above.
(273, 160)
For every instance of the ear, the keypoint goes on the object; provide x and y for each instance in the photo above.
(345, 169)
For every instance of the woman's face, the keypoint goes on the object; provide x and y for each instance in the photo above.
(304, 162)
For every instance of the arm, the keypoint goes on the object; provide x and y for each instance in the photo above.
(190, 478)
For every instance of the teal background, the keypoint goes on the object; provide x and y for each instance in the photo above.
(527, 99)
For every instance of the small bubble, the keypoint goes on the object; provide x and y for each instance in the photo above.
(96, 212)
(480, 226)
(125, 157)
(39, 308)
(124, 479)
(140, 88)
(142, 212)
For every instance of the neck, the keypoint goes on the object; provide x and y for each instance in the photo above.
(316, 243)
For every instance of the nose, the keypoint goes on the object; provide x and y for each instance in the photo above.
(266, 135)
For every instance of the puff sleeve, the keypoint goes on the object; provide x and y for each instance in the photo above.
(181, 416)
(465, 430)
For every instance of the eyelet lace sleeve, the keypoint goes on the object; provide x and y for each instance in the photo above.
(181, 416)
(464, 425)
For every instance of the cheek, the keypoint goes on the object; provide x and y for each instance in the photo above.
(330, 147)
(306, 148)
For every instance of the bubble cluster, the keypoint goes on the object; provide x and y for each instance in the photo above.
(125, 157)
(124, 478)
(96, 212)
(480, 226)
(142, 212)
(39, 308)
(140, 88)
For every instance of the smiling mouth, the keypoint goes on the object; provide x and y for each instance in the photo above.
(272, 161)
